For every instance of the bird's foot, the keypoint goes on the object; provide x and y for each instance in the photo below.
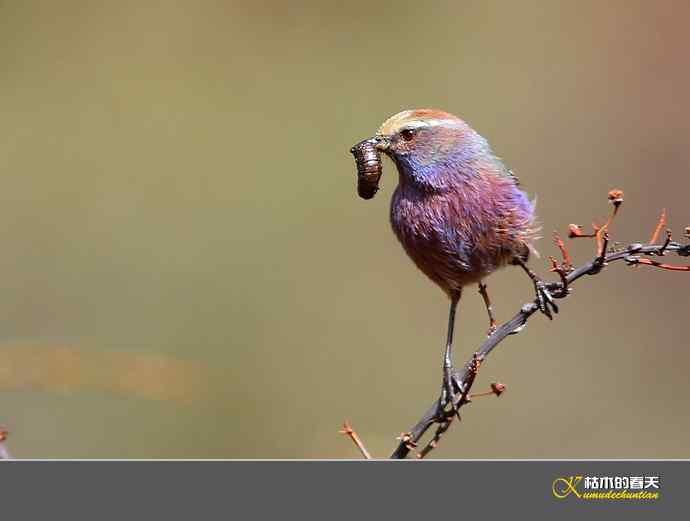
(452, 385)
(545, 300)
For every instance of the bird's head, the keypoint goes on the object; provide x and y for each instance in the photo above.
(431, 148)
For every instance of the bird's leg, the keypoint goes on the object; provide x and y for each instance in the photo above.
(489, 309)
(451, 383)
(544, 298)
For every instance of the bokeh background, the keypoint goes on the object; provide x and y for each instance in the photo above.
(186, 270)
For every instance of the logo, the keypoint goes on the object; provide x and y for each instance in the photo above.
(612, 488)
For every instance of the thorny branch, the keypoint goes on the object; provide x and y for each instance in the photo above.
(635, 254)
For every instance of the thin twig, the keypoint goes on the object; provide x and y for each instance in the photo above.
(567, 263)
(635, 261)
(349, 431)
(562, 273)
(496, 390)
(660, 224)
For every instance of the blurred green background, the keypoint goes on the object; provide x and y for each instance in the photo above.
(186, 270)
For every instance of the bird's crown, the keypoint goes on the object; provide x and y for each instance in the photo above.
(419, 118)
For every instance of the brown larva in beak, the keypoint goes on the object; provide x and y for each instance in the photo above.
(369, 167)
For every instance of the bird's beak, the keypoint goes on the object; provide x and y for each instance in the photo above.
(383, 143)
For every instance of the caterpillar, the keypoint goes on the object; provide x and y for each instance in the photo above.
(369, 167)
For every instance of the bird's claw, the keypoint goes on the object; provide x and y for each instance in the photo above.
(451, 386)
(545, 300)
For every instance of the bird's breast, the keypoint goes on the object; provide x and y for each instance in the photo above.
(449, 239)
(424, 226)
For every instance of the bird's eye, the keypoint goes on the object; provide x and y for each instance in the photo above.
(407, 134)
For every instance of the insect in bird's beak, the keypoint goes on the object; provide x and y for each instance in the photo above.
(369, 166)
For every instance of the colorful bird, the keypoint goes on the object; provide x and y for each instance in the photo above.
(457, 211)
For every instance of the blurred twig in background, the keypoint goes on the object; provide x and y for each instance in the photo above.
(4, 453)
(58, 368)
(634, 255)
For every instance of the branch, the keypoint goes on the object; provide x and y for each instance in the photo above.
(632, 255)
(350, 433)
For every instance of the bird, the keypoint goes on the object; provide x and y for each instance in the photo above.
(458, 212)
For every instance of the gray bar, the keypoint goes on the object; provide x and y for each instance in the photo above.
(353, 490)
